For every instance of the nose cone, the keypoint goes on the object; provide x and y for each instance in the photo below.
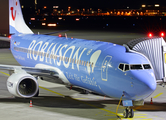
(150, 81)
(146, 82)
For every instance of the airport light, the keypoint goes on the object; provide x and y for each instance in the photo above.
(69, 8)
(55, 6)
(150, 35)
(162, 34)
(143, 6)
(157, 5)
(77, 19)
(32, 18)
(51, 25)
(36, 2)
(60, 18)
(43, 24)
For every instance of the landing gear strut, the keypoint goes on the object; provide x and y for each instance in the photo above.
(128, 113)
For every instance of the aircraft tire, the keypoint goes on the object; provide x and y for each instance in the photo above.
(131, 113)
(125, 113)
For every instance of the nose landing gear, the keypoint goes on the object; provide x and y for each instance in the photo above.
(128, 113)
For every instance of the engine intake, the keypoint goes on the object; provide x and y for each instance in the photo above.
(22, 85)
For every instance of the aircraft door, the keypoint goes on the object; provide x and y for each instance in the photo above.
(104, 68)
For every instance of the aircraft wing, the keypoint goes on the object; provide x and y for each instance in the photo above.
(54, 32)
(30, 70)
(5, 39)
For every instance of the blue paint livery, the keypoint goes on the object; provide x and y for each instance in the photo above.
(110, 80)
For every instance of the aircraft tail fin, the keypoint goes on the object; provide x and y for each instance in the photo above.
(16, 20)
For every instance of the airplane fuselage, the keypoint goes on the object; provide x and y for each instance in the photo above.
(92, 65)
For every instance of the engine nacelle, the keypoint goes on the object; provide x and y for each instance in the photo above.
(22, 85)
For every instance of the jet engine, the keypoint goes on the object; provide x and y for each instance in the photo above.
(22, 85)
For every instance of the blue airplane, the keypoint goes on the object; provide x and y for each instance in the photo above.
(102, 67)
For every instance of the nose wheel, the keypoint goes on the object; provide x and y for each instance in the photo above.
(128, 113)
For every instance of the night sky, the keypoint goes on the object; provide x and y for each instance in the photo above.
(107, 4)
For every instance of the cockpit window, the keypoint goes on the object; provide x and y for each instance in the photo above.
(126, 67)
(147, 66)
(136, 67)
(121, 66)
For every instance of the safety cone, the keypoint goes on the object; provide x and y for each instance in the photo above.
(30, 103)
(151, 102)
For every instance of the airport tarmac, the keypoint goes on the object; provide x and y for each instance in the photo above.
(56, 102)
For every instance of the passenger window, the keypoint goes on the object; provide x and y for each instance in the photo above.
(46, 54)
(121, 66)
(84, 63)
(92, 65)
